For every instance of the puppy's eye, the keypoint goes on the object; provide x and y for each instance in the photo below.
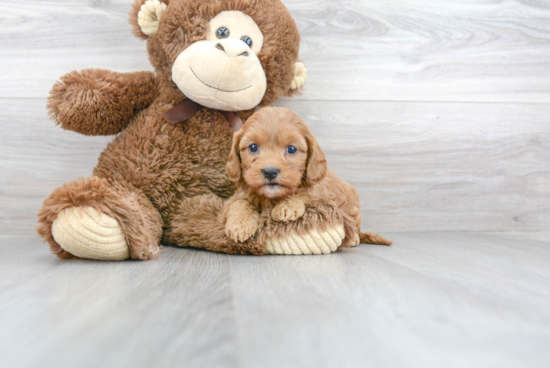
(291, 150)
(247, 40)
(222, 32)
(253, 148)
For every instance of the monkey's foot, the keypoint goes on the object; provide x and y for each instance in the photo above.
(356, 240)
(87, 233)
(321, 242)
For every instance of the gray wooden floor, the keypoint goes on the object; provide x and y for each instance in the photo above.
(430, 300)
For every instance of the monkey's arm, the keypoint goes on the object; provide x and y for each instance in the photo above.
(100, 102)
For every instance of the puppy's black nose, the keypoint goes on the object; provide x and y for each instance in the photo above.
(270, 173)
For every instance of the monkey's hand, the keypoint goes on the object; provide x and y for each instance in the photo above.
(100, 102)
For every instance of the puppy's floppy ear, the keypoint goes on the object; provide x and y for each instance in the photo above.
(234, 161)
(316, 167)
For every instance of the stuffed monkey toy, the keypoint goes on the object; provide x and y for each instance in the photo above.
(162, 180)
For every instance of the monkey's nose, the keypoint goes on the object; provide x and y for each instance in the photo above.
(270, 173)
(233, 48)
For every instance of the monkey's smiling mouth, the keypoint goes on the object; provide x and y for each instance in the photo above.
(219, 89)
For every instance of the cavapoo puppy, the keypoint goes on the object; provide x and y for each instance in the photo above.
(280, 170)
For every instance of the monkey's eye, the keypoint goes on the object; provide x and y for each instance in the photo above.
(222, 32)
(253, 148)
(247, 40)
(291, 150)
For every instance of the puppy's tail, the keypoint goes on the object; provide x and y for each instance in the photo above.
(373, 238)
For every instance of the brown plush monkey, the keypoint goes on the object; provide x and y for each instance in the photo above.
(163, 179)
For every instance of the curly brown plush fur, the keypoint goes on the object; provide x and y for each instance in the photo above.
(147, 175)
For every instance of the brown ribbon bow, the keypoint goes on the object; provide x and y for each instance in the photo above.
(185, 109)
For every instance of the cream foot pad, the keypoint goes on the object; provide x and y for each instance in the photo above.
(86, 233)
(322, 242)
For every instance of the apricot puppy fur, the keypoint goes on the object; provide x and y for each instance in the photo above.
(280, 169)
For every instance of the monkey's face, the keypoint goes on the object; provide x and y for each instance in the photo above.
(223, 72)
(230, 55)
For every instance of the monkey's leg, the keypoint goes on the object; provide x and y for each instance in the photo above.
(96, 219)
(322, 229)
(197, 223)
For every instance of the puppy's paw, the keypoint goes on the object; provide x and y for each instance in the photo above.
(240, 230)
(288, 210)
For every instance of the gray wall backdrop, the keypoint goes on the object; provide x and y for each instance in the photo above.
(437, 111)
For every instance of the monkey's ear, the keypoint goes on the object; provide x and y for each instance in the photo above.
(234, 161)
(316, 167)
(300, 75)
(145, 16)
